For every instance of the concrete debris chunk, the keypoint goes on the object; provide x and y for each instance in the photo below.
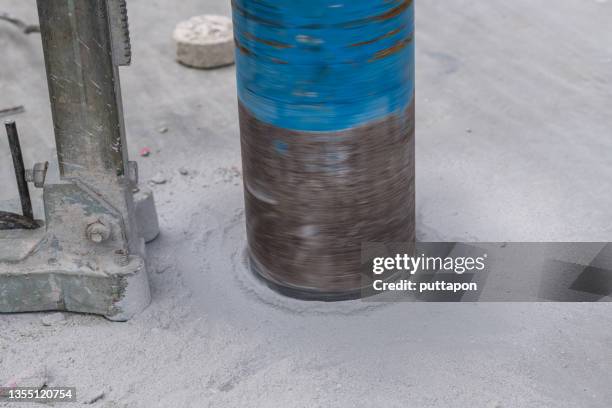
(32, 378)
(205, 41)
(159, 178)
(94, 397)
(52, 319)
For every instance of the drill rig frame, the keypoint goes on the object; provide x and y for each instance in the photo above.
(88, 254)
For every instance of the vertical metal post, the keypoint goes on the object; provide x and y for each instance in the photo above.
(22, 184)
(84, 88)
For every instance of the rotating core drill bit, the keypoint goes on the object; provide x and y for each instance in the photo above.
(326, 100)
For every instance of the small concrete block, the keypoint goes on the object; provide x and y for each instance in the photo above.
(205, 41)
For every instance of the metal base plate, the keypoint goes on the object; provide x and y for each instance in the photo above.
(117, 292)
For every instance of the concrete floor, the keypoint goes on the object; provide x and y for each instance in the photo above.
(513, 143)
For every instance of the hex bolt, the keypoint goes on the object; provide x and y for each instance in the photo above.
(98, 232)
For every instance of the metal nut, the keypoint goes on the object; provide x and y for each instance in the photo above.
(38, 174)
(98, 232)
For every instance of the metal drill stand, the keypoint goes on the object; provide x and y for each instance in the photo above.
(88, 254)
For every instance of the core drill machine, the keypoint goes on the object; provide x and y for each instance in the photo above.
(87, 254)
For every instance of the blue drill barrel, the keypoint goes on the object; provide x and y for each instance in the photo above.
(326, 101)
